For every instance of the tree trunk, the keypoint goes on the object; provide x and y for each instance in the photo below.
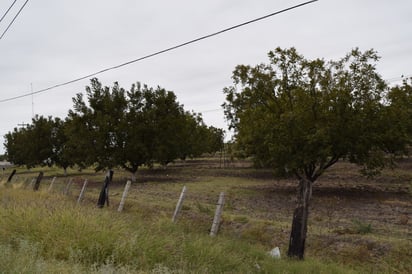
(300, 220)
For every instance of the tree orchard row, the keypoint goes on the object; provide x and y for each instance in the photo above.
(114, 127)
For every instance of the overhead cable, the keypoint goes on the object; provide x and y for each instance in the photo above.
(7, 11)
(158, 52)
(12, 21)
(397, 79)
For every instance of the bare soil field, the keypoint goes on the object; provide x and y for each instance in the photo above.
(353, 219)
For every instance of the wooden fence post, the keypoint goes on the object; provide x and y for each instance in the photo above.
(123, 200)
(82, 192)
(179, 204)
(51, 184)
(218, 213)
(111, 172)
(38, 180)
(11, 176)
(104, 193)
(67, 189)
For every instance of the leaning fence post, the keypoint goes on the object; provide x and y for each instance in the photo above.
(11, 176)
(179, 204)
(67, 189)
(110, 173)
(82, 192)
(51, 184)
(218, 213)
(104, 193)
(123, 200)
(38, 180)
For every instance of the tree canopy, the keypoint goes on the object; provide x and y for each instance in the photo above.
(304, 115)
(32, 145)
(301, 116)
(110, 127)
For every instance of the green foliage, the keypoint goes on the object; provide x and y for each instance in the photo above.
(303, 115)
(110, 127)
(203, 209)
(361, 227)
(398, 118)
(102, 118)
(131, 128)
(37, 144)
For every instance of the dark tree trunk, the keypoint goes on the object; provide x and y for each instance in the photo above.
(300, 220)
(38, 180)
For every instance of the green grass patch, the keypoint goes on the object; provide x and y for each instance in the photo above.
(46, 233)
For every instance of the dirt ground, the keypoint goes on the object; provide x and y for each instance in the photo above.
(341, 192)
(353, 219)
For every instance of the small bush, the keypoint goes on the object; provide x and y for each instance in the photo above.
(361, 227)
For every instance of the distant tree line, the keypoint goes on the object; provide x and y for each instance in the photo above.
(114, 127)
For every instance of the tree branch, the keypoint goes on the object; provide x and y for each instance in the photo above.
(322, 167)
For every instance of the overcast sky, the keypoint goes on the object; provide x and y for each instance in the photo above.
(56, 41)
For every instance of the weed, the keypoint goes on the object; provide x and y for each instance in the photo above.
(185, 207)
(241, 219)
(203, 209)
(361, 227)
(45, 233)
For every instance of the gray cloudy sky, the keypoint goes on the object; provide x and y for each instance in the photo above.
(56, 41)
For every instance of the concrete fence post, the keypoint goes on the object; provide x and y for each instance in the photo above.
(179, 204)
(51, 184)
(67, 189)
(218, 213)
(123, 200)
(82, 192)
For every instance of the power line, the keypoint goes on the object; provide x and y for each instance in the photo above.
(12, 21)
(158, 52)
(396, 79)
(211, 110)
(7, 11)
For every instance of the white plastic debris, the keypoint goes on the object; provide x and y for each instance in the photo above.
(275, 253)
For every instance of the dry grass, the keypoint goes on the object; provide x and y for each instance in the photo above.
(361, 225)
